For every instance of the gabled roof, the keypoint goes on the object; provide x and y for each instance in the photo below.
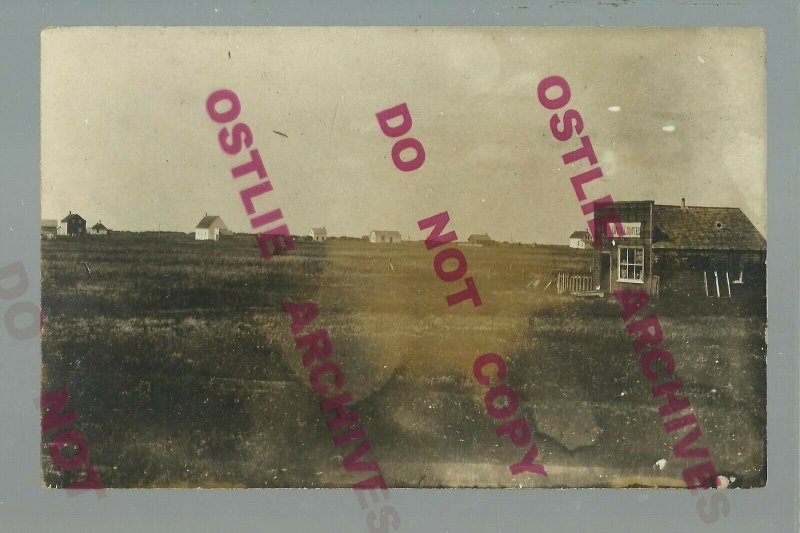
(386, 233)
(49, 223)
(319, 231)
(72, 216)
(579, 235)
(704, 228)
(479, 237)
(208, 220)
(99, 226)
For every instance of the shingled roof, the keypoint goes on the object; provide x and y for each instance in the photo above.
(579, 235)
(71, 216)
(386, 233)
(208, 220)
(704, 228)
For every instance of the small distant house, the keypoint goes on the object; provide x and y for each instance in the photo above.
(72, 225)
(98, 229)
(378, 236)
(479, 238)
(49, 228)
(580, 239)
(210, 228)
(318, 234)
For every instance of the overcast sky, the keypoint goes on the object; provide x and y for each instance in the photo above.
(126, 138)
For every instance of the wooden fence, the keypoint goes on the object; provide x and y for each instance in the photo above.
(569, 283)
(655, 285)
(717, 283)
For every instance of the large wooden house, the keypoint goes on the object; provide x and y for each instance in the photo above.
(72, 225)
(710, 251)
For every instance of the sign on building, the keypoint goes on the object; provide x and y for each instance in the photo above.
(631, 229)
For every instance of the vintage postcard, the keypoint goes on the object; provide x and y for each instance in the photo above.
(380, 257)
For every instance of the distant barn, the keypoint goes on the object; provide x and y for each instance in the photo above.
(98, 229)
(318, 234)
(580, 239)
(210, 228)
(72, 225)
(378, 236)
(479, 238)
(49, 228)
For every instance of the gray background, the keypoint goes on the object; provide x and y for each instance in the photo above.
(25, 506)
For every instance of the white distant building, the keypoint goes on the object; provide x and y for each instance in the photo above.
(49, 228)
(318, 234)
(378, 236)
(580, 240)
(98, 229)
(210, 228)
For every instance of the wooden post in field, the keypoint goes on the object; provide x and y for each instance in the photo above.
(716, 281)
(728, 279)
(705, 282)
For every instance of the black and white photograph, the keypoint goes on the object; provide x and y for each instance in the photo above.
(403, 257)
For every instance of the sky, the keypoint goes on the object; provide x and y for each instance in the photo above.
(671, 113)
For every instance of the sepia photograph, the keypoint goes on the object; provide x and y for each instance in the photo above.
(403, 257)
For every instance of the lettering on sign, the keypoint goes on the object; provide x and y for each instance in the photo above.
(630, 229)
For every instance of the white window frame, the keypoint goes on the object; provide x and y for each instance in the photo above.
(620, 264)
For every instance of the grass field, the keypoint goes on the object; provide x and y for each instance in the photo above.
(183, 369)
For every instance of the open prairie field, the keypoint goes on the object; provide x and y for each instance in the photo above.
(183, 369)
